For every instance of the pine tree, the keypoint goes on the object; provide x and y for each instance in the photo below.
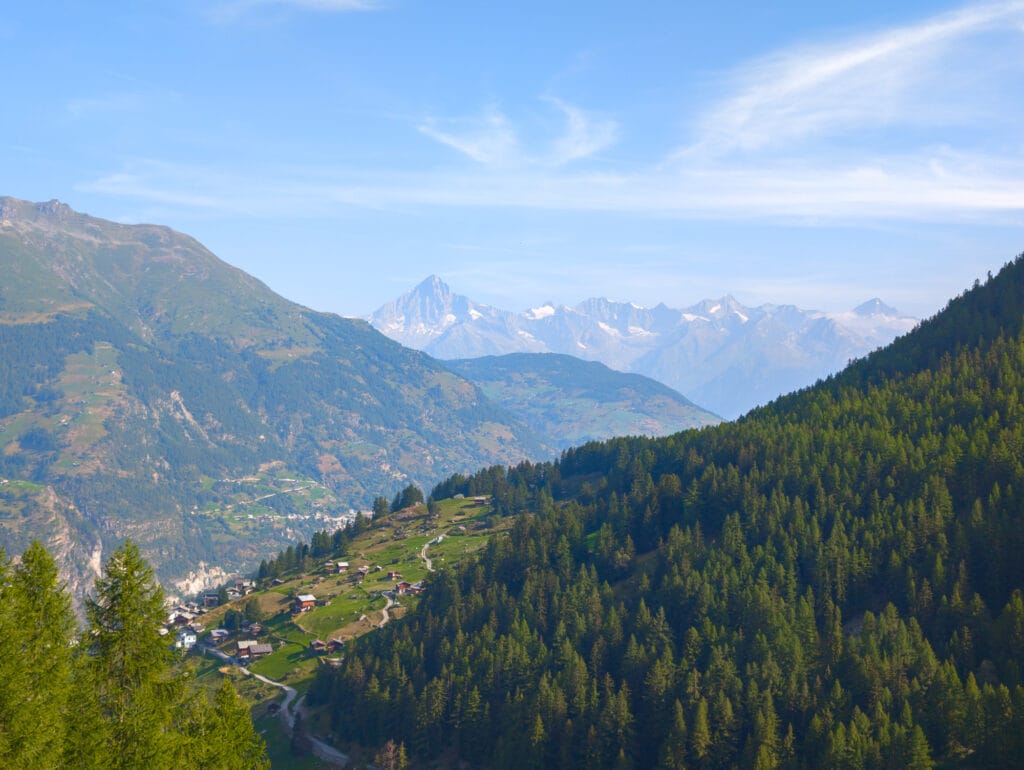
(918, 755)
(237, 744)
(673, 749)
(131, 663)
(700, 736)
(37, 630)
(10, 672)
(538, 739)
(764, 739)
(114, 701)
(723, 747)
(88, 744)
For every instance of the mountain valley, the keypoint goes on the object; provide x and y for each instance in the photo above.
(149, 390)
(141, 376)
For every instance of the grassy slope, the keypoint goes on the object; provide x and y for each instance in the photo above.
(351, 609)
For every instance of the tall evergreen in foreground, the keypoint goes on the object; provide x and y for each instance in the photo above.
(113, 700)
(834, 581)
(36, 626)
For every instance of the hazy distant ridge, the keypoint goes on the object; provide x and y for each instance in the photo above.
(569, 401)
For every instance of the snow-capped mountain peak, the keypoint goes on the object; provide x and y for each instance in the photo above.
(875, 306)
(423, 313)
(719, 353)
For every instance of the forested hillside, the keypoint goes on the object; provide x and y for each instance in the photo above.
(834, 581)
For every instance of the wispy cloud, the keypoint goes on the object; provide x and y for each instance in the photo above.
(166, 184)
(80, 107)
(233, 10)
(487, 138)
(787, 141)
(584, 136)
(490, 138)
(898, 76)
(950, 188)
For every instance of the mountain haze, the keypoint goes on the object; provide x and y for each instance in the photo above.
(719, 353)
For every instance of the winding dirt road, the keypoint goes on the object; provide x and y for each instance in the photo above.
(423, 552)
(386, 617)
(323, 751)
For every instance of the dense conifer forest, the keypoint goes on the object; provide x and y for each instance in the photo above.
(111, 696)
(834, 580)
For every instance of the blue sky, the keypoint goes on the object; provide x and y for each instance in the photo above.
(342, 150)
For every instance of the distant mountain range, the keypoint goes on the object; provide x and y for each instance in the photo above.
(719, 353)
(149, 390)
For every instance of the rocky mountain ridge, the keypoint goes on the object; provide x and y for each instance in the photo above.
(720, 354)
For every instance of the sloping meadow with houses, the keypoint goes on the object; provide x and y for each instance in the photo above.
(289, 621)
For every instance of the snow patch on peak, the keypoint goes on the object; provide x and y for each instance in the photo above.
(475, 314)
(424, 330)
(608, 329)
(875, 306)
